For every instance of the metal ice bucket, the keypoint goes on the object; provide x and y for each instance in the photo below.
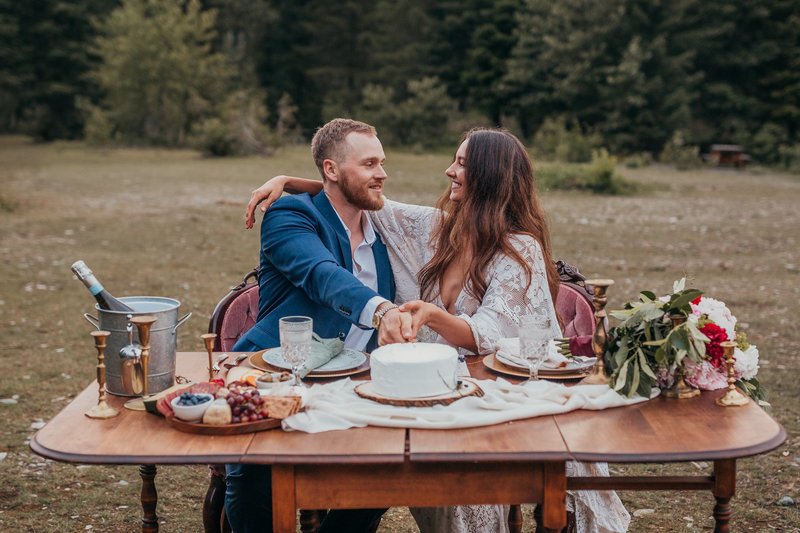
(163, 340)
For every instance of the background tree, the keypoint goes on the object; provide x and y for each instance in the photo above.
(158, 71)
(45, 59)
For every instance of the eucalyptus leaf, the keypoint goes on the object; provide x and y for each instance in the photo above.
(653, 311)
(622, 376)
(696, 333)
(621, 355)
(635, 373)
(659, 342)
(684, 298)
(645, 387)
(643, 364)
(679, 355)
(679, 339)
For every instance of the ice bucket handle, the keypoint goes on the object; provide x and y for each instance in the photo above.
(181, 321)
(93, 320)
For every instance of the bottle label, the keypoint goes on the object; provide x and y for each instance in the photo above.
(96, 289)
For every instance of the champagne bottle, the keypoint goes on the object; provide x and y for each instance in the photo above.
(104, 299)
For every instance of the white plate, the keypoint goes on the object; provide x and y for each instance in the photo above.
(346, 360)
(575, 364)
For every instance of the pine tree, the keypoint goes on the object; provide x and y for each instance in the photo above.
(158, 70)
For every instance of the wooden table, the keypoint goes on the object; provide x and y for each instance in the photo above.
(520, 461)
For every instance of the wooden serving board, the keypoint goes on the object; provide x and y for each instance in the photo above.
(468, 388)
(227, 429)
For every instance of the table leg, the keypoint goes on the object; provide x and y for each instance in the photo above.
(149, 498)
(284, 503)
(554, 506)
(515, 519)
(724, 490)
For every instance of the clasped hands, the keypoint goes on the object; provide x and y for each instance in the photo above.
(403, 324)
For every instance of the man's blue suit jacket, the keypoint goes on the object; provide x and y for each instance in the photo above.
(306, 269)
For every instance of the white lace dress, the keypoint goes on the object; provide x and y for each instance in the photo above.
(406, 231)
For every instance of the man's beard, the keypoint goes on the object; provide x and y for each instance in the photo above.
(357, 196)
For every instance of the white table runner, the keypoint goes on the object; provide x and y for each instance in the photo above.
(335, 405)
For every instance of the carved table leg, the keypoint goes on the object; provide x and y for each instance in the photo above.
(149, 498)
(724, 489)
(515, 519)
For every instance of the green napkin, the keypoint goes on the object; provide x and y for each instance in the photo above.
(322, 351)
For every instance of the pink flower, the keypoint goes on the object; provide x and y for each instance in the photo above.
(704, 376)
(665, 377)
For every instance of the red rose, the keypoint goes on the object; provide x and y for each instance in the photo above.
(696, 301)
(714, 351)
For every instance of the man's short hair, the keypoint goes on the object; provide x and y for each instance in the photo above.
(328, 141)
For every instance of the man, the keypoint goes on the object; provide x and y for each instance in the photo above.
(320, 257)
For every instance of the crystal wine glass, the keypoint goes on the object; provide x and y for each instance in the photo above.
(534, 339)
(295, 334)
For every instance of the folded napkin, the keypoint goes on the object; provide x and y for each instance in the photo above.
(508, 353)
(322, 351)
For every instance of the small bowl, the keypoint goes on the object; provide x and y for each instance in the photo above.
(191, 413)
(267, 385)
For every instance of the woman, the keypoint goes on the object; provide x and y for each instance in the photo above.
(467, 270)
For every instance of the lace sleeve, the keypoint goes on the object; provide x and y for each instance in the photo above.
(406, 231)
(506, 298)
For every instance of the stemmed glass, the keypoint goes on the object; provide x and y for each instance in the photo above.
(534, 338)
(295, 333)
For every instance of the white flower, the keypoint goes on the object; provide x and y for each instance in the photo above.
(746, 364)
(717, 312)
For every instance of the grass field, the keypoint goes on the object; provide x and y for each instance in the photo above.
(170, 223)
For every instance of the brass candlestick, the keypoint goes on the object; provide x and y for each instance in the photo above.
(680, 389)
(102, 409)
(732, 398)
(208, 339)
(600, 336)
(143, 324)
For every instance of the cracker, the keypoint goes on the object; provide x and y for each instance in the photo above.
(281, 406)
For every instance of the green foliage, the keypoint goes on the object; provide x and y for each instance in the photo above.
(789, 157)
(158, 71)
(44, 59)
(764, 146)
(622, 74)
(237, 128)
(646, 340)
(598, 177)
(677, 152)
(555, 141)
(421, 119)
(639, 160)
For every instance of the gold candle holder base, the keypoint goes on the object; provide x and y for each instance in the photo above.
(102, 410)
(135, 404)
(600, 337)
(732, 398)
(208, 339)
(680, 389)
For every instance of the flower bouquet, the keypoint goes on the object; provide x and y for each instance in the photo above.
(678, 334)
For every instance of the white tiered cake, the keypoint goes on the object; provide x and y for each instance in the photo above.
(414, 370)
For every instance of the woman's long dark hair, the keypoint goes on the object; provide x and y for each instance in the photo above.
(499, 200)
